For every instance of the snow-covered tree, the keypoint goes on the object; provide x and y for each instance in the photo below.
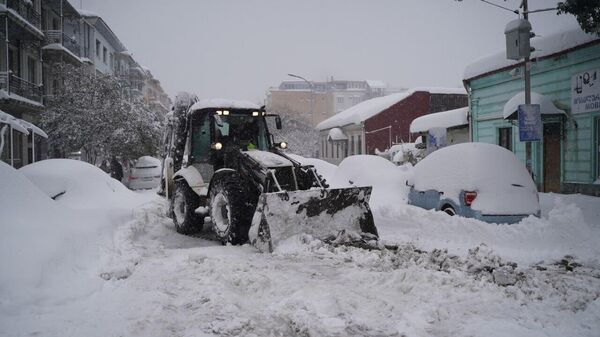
(302, 138)
(94, 113)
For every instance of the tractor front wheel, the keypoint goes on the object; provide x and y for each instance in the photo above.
(231, 208)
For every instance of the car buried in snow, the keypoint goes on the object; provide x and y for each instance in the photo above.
(475, 180)
(144, 174)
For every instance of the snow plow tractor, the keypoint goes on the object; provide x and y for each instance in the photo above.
(234, 174)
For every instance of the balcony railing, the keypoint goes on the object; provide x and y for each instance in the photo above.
(16, 85)
(58, 36)
(26, 11)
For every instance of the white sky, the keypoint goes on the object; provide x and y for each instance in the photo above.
(239, 48)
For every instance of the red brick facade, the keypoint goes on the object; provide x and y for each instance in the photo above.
(391, 126)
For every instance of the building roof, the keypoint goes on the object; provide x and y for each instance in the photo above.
(444, 119)
(544, 46)
(369, 108)
(376, 84)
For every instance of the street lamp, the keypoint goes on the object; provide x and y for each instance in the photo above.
(312, 95)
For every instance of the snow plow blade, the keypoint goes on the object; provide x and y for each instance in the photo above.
(321, 213)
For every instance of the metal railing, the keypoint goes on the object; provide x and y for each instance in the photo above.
(26, 11)
(21, 87)
(58, 36)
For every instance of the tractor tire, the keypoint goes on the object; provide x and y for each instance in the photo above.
(184, 202)
(232, 206)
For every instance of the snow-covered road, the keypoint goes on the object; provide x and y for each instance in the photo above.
(87, 265)
(160, 283)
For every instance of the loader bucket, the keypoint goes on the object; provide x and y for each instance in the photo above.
(319, 212)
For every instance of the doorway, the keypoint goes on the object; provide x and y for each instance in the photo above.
(552, 157)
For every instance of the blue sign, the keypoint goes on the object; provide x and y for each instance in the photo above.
(530, 123)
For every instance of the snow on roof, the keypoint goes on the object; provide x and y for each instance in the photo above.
(442, 90)
(369, 108)
(216, 103)
(376, 84)
(544, 46)
(444, 119)
(337, 134)
(546, 105)
(363, 111)
(86, 13)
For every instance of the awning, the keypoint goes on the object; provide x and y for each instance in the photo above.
(21, 125)
(13, 122)
(337, 134)
(546, 105)
(33, 128)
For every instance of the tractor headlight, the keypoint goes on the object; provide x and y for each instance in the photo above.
(283, 145)
(225, 112)
(216, 146)
(255, 113)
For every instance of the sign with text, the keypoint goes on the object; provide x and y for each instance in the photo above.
(585, 91)
(530, 122)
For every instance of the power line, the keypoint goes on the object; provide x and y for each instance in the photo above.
(516, 11)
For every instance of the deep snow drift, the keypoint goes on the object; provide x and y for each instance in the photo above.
(53, 251)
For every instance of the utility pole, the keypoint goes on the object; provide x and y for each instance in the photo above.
(527, 75)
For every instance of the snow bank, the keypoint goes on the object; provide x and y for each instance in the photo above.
(79, 185)
(387, 179)
(501, 181)
(47, 250)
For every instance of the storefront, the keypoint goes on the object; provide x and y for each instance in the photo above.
(565, 82)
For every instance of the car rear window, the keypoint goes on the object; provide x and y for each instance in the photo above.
(145, 167)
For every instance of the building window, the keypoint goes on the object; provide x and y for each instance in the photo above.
(13, 57)
(340, 100)
(104, 54)
(352, 145)
(31, 70)
(97, 49)
(359, 145)
(505, 138)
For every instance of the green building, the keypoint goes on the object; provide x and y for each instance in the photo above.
(565, 81)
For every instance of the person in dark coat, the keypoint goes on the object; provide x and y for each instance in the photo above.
(116, 169)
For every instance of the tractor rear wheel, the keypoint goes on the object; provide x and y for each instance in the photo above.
(231, 208)
(185, 201)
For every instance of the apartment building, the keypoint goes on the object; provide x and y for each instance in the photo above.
(35, 36)
(21, 78)
(313, 102)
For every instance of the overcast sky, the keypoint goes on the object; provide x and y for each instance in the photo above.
(239, 48)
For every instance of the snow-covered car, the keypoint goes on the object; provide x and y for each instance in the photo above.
(475, 180)
(144, 174)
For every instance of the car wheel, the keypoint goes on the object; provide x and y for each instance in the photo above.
(185, 201)
(449, 210)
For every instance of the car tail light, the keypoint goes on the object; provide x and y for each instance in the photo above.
(469, 197)
(132, 178)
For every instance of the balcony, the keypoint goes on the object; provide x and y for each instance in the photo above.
(59, 37)
(26, 11)
(14, 85)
